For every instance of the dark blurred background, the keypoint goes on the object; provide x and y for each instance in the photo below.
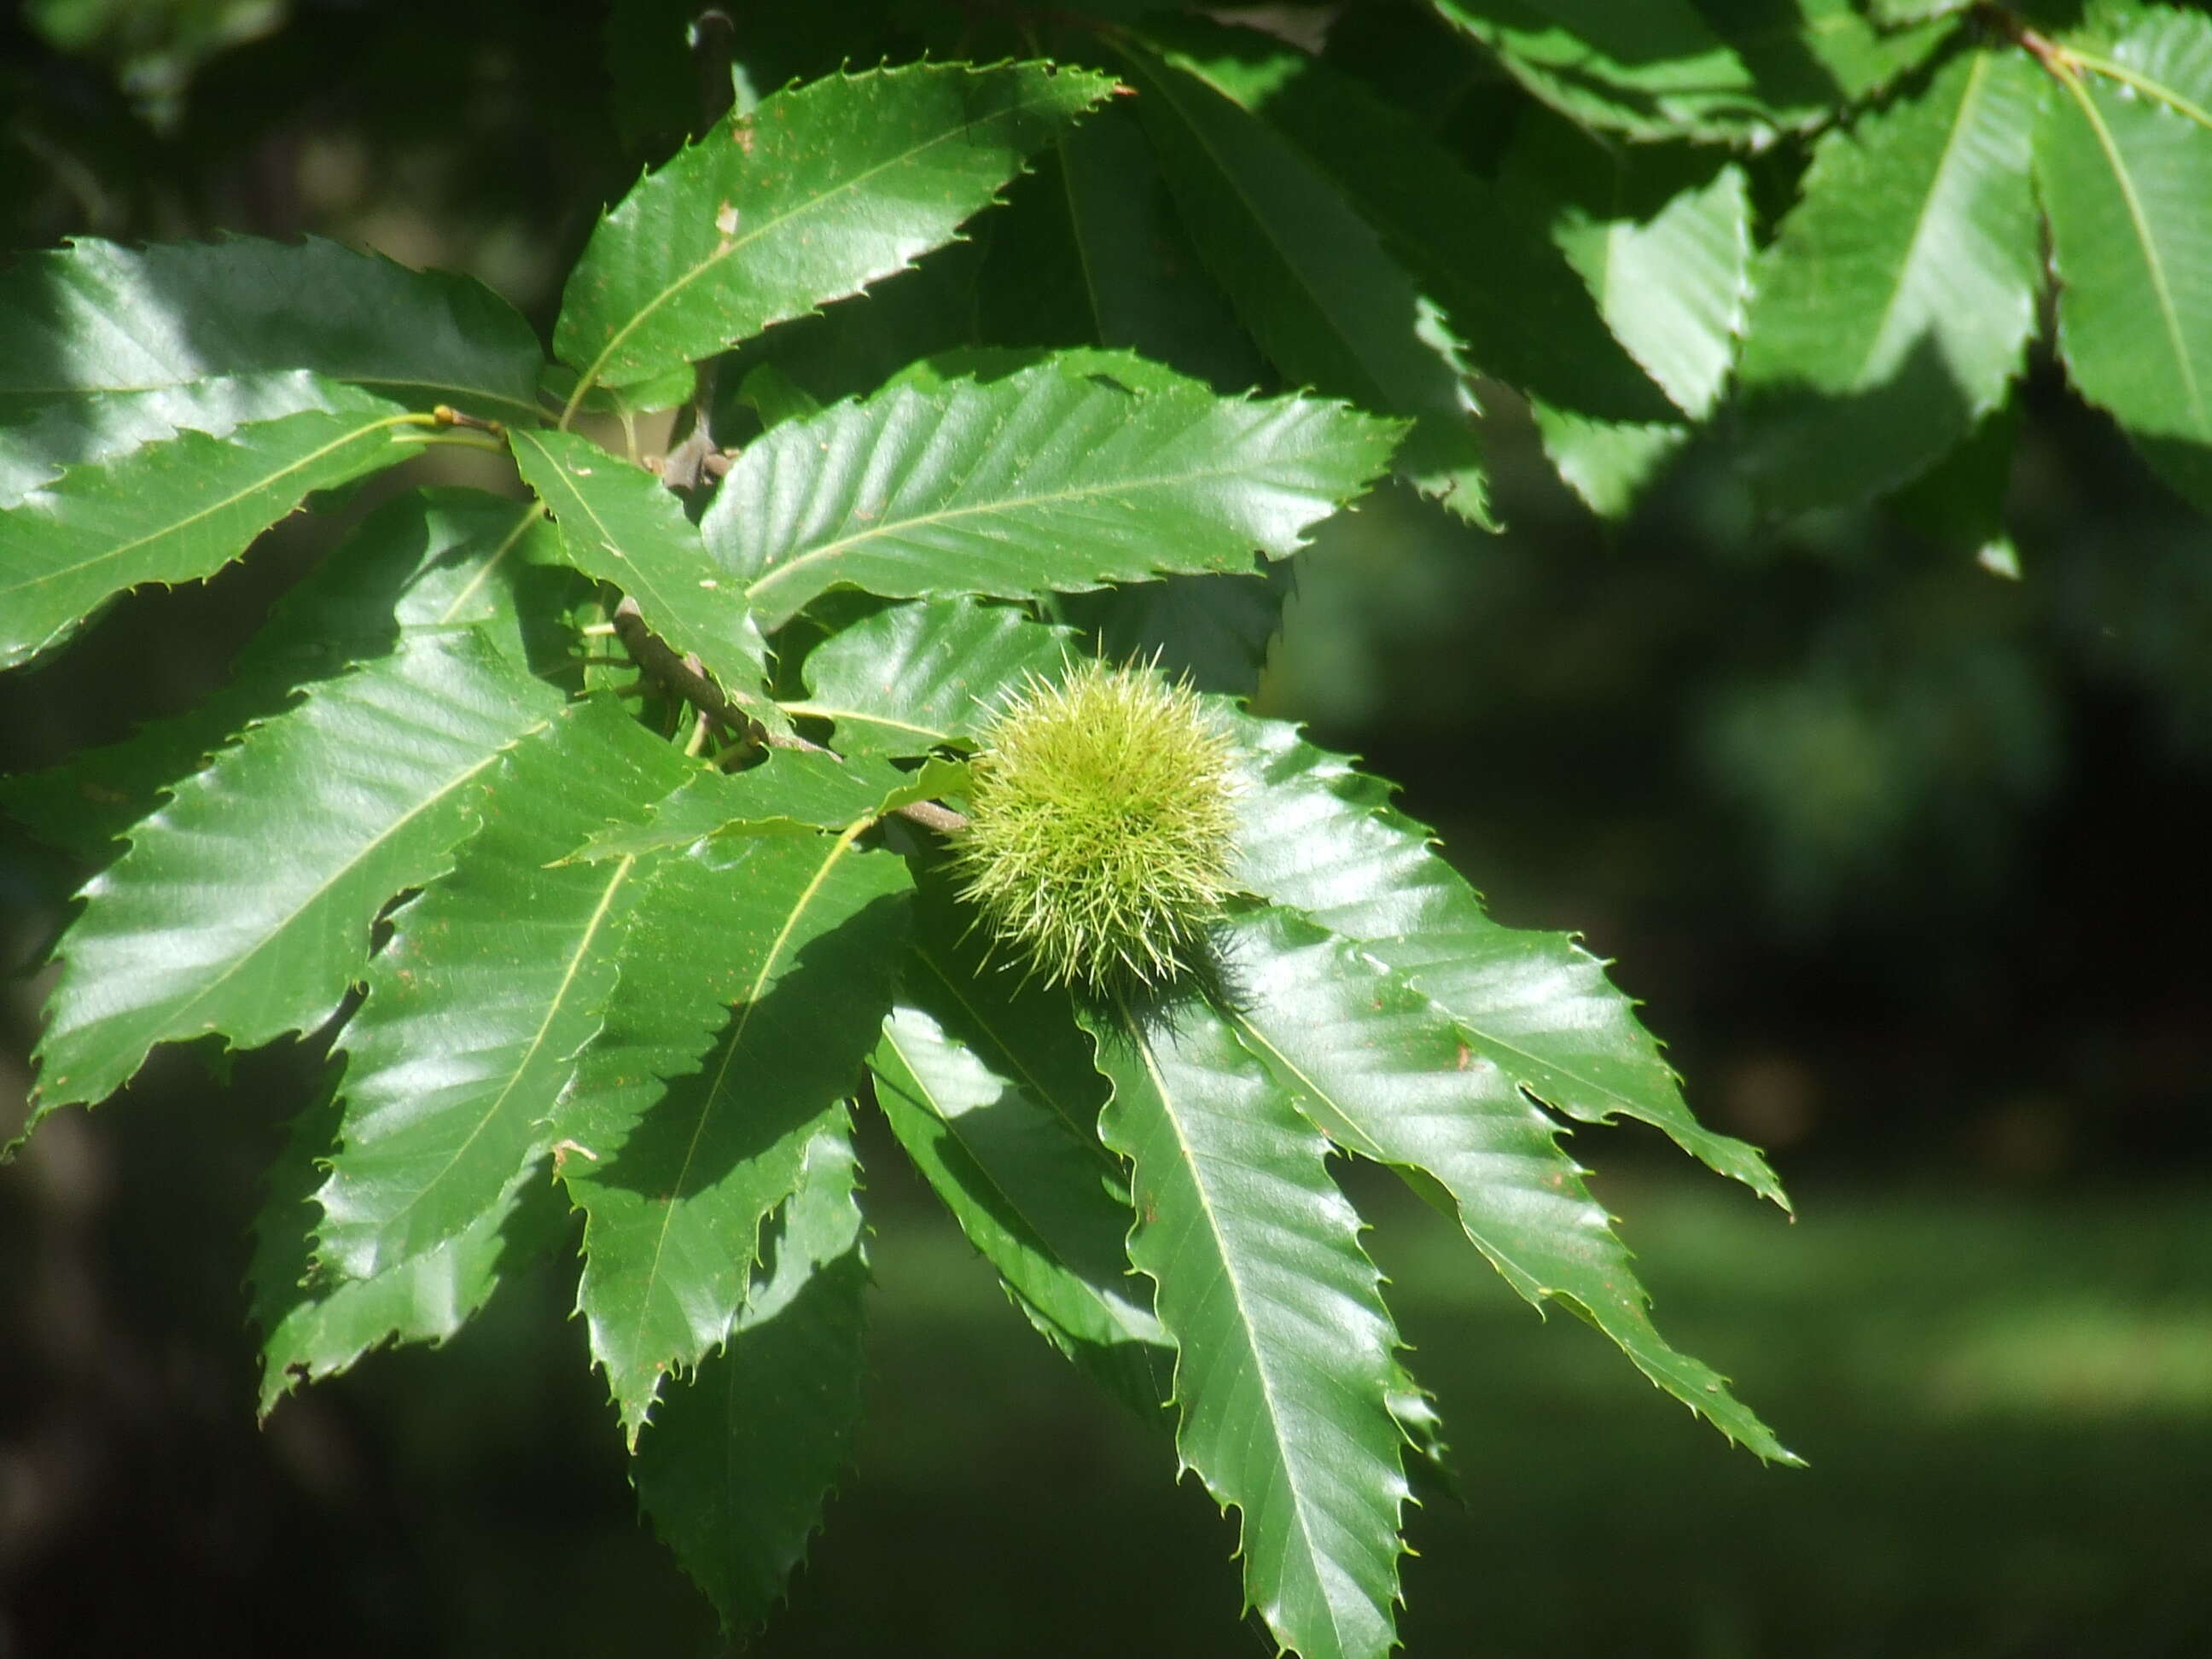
(1906, 857)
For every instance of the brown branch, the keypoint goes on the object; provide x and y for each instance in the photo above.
(687, 677)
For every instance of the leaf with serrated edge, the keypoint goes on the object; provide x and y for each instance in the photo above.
(491, 982)
(989, 1086)
(100, 426)
(914, 676)
(315, 1324)
(1808, 57)
(1048, 480)
(173, 511)
(818, 192)
(434, 558)
(244, 905)
(1384, 1072)
(621, 526)
(1317, 835)
(1285, 1361)
(1661, 238)
(2124, 159)
(1894, 308)
(739, 1461)
(99, 316)
(1311, 280)
(686, 1122)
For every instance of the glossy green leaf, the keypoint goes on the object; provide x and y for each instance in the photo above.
(100, 426)
(1319, 836)
(173, 511)
(1893, 310)
(2124, 160)
(914, 676)
(1311, 280)
(429, 559)
(98, 317)
(739, 1461)
(687, 1121)
(621, 526)
(1385, 1073)
(1214, 631)
(792, 792)
(1047, 480)
(820, 191)
(1285, 1361)
(990, 1087)
(244, 905)
(1653, 70)
(491, 982)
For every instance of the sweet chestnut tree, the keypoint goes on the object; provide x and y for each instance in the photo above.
(876, 744)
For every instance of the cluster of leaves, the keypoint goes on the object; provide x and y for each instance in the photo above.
(655, 919)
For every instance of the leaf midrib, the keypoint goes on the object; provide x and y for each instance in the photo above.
(712, 1099)
(730, 246)
(178, 526)
(2152, 264)
(1224, 1257)
(1121, 485)
(553, 1008)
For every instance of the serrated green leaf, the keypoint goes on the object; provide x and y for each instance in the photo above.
(100, 426)
(173, 511)
(435, 558)
(1318, 837)
(1660, 237)
(244, 905)
(492, 981)
(1652, 70)
(1893, 310)
(1311, 280)
(914, 676)
(1809, 57)
(740, 1461)
(686, 1123)
(1048, 480)
(2124, 160)
(989, 1086)
(1285, 1361)
(103, 318)
(792, 792)
(315, 1323)
(1504, 289)
(1385, 1073)
(819, 192)
(621, 526)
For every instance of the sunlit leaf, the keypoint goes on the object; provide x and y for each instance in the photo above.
(2124, 160)
(98, 317)
(1285, 1369)
(243, 907)
(491, 982)
(173, 511)
(753, 982)
(820, 191)
(1050, 479)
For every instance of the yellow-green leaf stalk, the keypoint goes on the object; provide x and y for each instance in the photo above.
(1100, 828)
